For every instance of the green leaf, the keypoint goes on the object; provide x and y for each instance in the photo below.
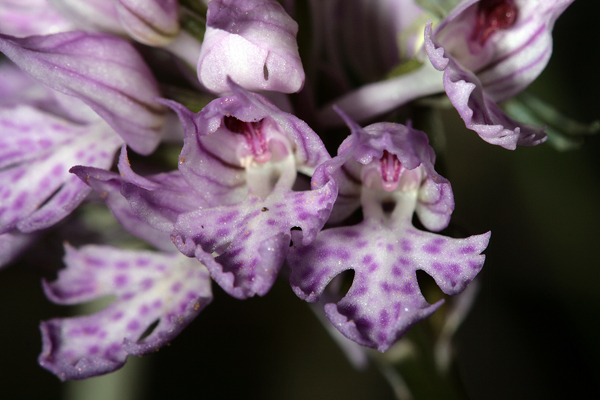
(563, 132)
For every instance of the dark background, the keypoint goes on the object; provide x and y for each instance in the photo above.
(533, 333)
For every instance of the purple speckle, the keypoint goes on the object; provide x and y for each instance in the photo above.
(384, 318)
(271, 222)
(367, 259)
(122, 264)
(117, 316)
(157, 304)
(144, 309)
(142, 262)
(397, 272)
(408, 288)
(93, 350)
(406, 246)
(147, 284)
(227, 218)
(455, 268)
(304, 216)
(95, 262)
(176, 287)
(467, 249)
(362, 244)
(390, 247)
(120, 280)
(431, 249)
(133, 325)
(90, 330)
(128, 296)
(373, 267)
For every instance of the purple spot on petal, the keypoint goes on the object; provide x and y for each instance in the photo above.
(271, 222)
(304, 216)
(467, 249)
(361, 244)
(157, 304)
(406, 245)
(455, 268)
(122, 264)
(142, 262)
(95, 262)
(144, 309)
(384, 318)
(390, 247)
(147, 284)
(431, 249)
(127, 296)
(408, 288)
(367, 259)
(120, 280)
(397, 272)
(133, 325)
(94, 350)
(117, 316)
(176, 287)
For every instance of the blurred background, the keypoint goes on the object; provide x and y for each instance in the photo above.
(532, 333)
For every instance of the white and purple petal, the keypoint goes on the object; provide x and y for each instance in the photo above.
(210, 159)
(31, 17)
(108, 185)
(36, 152)
(252, 238)
(168, 289)
(254, 43)
(384, 300)
(475, 106)
(103, 71)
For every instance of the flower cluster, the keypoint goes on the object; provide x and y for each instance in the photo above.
(256, 194)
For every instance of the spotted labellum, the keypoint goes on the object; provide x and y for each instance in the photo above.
(389, 167)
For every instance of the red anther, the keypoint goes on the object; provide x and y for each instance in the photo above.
(252, 131)
(493, 15)
(390, 170)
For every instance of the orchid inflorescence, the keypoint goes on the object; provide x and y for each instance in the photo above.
(256, 194)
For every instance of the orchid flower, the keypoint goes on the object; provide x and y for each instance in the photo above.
(254, 43)
(489, 51)
(46, 130)
(390, 168)
(231, 204)
(149, 287)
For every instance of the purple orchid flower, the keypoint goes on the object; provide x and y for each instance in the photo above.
(45, 132)
(390, 168)
(254, 43)
(39, 140)
(231, 204)
(168, 289)
(489, 51)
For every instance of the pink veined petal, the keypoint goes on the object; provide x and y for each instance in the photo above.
(254, 43)
(475, 107)
(103, 71)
